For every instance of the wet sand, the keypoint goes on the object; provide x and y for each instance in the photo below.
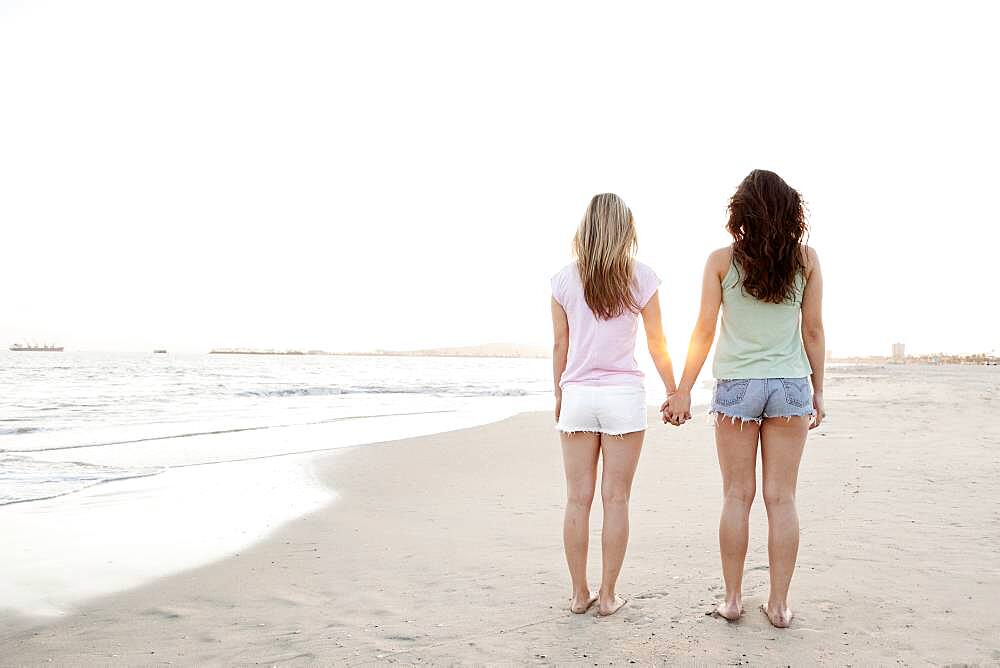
(447, 549)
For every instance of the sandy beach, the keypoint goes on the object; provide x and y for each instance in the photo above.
(447, 549)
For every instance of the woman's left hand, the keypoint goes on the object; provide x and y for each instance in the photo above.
(558, 405)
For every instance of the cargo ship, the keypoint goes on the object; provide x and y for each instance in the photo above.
(21, 348)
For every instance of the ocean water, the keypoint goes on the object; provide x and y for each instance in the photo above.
(119, 468)
(72, 420)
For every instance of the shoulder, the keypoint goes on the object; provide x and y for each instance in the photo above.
(645, 283)
(566, 272)
(810, 258)
(643, 271)
(719, 261)
(561, 281)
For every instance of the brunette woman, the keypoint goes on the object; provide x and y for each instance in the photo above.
(769, 375)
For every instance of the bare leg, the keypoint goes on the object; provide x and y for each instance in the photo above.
(782, 442)
(621, 456)
(580, 451)
(736, 444)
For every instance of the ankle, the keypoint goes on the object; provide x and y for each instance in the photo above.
(776, 604)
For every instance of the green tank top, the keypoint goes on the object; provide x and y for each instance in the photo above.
(758, 339)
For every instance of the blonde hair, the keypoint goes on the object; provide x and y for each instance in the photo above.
(604, 247)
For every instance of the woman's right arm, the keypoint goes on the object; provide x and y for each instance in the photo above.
(678, 407)
(560, 349)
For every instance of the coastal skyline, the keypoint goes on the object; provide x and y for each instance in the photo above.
(400, 178)
(519, 351)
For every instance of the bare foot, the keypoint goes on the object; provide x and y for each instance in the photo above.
(581, 603)
(607, 607)
(730, 610)
(780, 617)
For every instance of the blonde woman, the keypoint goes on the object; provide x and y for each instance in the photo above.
(600, 400)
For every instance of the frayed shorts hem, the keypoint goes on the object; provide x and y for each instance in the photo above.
(715, 416)
(607, 432)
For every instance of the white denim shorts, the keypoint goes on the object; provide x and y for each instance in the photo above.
(606, 409)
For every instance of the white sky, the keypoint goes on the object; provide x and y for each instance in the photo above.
(400, 174)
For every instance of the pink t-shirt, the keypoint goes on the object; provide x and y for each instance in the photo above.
(601, 352)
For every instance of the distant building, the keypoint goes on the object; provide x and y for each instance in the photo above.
(829, 355)
(898, 352)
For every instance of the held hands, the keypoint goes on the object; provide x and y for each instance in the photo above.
(676, 410)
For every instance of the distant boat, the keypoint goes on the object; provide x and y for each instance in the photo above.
(21, 348)
(159, 352)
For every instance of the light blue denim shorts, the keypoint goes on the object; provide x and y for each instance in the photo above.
(753, 399)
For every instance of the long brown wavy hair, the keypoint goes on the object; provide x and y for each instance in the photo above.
(604, 247)
(768, 224)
